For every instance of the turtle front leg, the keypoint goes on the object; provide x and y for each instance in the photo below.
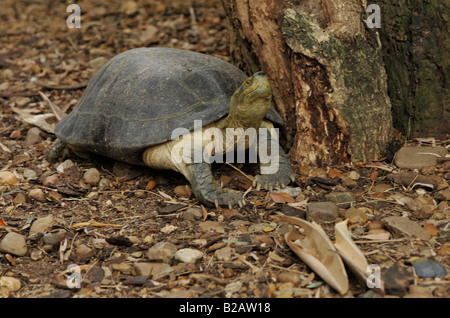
(207, 190)
(58, 150)
(276, 171)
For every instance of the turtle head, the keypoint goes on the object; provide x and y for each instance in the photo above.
(251, 101)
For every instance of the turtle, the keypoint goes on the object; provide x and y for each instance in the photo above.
(135, 101)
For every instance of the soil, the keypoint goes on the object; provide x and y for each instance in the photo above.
(106, 226)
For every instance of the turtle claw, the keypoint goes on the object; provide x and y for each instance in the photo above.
(272, 181)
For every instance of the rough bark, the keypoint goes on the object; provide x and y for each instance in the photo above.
(326, 72)
(416, 46)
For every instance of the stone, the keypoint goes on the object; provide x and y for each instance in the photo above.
(381, 187)
(259, 228)
(51, 180)
(36, 254)
(161, 251)
(29, 174)
(154, 270)
(150, 35)
(7, 178)
(103, 183)
(292, 191)
(405, 226)
(211, 226)
(83, 251)
(36, 194)
(192, 214)
(418, 157)
(429, 269)
(356, 215)
(188, 255)
(353, 175)
(20, 198)
(183, 191)
(14, 243)
(8, 285)
(325, 211)
(97, 62)
(33, 136)
(50, 239)
(67, 164)
(289, 277)
(223, 254)
(91, 176)
(21, 158)
(341, 199)
(41, 225)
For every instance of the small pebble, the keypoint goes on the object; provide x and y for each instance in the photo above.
(188, 255)
(373, 225)
(223, 254)
(50, 239)
(405, 226)
(356, 215)
(8, 285)
(8, 178)
(183, 191)
(33, 136)
(51, 180)
(64, 165)
(322, 211)
(154, 270)
(14, 243)
(289, 277)
(20, 198)
(29, 174)
(342, 199)
(211, 226)
(381, 187)
(103, 183)
(41, 225)
(36, 194)
(91, 176)
(161, 251)
(84, 251)
(430, 269)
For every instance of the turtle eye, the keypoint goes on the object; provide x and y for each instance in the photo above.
(247, 82)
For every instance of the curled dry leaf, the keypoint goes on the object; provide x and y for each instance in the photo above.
(317, 251)
(349, 252)
(42, 121)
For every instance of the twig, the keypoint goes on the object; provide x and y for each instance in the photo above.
(245, 175)
(66, 87)
(55, 109)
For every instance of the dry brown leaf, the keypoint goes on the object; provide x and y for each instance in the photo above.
(317, 251)
(349, 252)
(36, 120)
(204, 212)
(281, 197)
(55, 109)
(3, 223)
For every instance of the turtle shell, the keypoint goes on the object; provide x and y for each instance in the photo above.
(140, 96)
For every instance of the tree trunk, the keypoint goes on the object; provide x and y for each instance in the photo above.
(416, 45)
(326, 72)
